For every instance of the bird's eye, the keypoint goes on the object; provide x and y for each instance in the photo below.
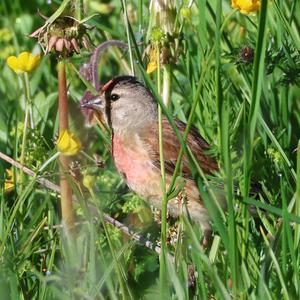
(114, 97)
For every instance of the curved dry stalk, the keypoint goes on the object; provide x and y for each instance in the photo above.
(90, 70)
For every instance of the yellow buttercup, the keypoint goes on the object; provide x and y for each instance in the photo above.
(68, 143)
(246, 6)
(25, 62)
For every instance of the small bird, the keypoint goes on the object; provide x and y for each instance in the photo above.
(131, 112)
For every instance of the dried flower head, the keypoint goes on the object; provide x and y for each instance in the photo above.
(247, 54)
(164, 14)
(164, 33)
(65, 35)
(172, 236)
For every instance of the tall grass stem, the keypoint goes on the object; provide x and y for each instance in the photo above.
(163, 253)
(26, 91)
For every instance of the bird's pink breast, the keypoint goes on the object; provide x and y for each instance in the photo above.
(132, 161)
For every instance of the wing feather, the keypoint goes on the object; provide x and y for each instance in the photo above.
(195, 142)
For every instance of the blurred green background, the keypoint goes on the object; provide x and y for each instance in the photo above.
(38, 261)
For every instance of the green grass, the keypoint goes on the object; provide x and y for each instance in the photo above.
(247, 109)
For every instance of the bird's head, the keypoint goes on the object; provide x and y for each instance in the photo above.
(125, 103)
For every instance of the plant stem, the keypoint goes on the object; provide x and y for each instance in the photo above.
(251, 118)
(126, 21)
(48, 161)
(26, 90)
(297, 199)
(162, 275)
(224, 138)
(28, 98)
(78, 9)
(166, 100)
(140, 14)
(166, 84)
(126, 294)
(66, 191)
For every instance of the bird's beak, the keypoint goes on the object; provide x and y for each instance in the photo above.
(96, 104)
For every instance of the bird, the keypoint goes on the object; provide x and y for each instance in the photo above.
(130, 110)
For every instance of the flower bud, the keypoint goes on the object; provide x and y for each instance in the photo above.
(186, 13)
(88, 181)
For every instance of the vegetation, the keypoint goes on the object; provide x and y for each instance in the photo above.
(69, 226)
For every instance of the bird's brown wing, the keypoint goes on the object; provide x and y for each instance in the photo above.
(172, 147)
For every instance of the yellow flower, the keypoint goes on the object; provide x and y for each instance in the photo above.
(88, 181)
(152, 65)
(246, 6)
(8, 184)
(25, 62)
(5, 35)
(68, 143)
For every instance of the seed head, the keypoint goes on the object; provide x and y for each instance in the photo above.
(65, 36)
(247, 54)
